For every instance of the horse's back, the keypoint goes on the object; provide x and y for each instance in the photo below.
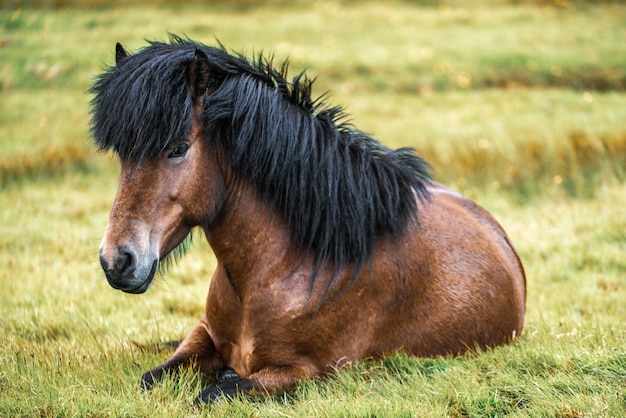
(455, 281)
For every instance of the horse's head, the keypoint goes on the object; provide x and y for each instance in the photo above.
(162, 196)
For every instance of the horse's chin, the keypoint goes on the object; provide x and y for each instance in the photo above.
(143, 286)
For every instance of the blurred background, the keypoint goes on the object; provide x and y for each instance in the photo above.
(519, 104)
(524, 95)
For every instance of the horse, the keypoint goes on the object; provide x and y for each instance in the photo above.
(331, 247)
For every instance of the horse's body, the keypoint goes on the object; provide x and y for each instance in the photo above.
(421, 269)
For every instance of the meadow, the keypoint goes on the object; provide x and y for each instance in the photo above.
(520, 105)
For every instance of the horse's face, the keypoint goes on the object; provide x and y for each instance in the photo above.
(157, 204)
(161, 198)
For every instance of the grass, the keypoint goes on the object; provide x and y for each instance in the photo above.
(527, 142)
(69, 345)
(520, 105)
(394, 53)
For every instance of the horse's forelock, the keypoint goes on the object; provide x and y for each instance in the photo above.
(142, 105)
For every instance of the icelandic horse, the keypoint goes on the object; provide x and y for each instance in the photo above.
(331, 247)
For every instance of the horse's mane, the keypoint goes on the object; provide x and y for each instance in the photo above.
(337, 188)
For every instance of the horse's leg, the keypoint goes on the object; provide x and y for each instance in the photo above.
(197, 347)
(270, 380)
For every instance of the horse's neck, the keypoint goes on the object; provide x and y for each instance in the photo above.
(249, 237)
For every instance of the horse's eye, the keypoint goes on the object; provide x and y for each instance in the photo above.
(179, 150)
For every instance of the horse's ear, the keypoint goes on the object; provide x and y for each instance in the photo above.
(199, 75)
(120, 53)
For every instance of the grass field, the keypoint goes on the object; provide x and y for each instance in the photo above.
(520, 105)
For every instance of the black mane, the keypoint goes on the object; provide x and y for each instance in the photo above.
(337, 188)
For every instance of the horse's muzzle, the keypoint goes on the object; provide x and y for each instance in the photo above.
(125, 273)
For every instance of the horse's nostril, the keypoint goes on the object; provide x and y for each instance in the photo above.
(125, 261)
(121, 265)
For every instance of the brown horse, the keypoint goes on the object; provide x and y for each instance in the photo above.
(331, 247)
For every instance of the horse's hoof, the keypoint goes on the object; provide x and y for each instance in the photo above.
(211, 394)
(226, 374)
(148, 379)
(224, 389)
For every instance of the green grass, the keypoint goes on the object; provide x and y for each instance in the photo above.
(520, 105)
(374, 59)
(69, 340)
